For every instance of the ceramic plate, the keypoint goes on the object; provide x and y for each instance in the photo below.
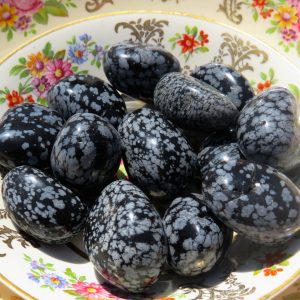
(39, 271)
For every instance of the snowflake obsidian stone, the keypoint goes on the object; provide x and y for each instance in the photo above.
(27, 134)
(87, 151)
(193, 104)
(226, 80)
(157, 156)
(269, 129)
(256, 201)
(124, 237)
(197, 240)
(86, 93)
(41, 206)
(135, 68)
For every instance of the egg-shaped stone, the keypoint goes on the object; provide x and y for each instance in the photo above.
(41, 206)
(87, 151)
(226, 80)
(124, 237)
(87, 94)
(27, 134)
(193, 104)
(135, 68)
(268, 129)
(196, 239)
(157, 156)
(255, 200)
(211, 156)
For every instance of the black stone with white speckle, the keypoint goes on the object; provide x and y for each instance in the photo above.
(124, 237)
(41, 206)
(197, 240)
(27, 134)
(86, 93)
(254, 200)
(210, 157)
(157, 156)
(135, 68)
(87, 151)
(193, 104)
(226, 80)
(268, 129)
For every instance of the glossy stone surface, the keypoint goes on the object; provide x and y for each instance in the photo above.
(197, 240)
(226, 80)
(27, 134)
(268, 129)
(210, 157)
(192, 104)
(86, 93)
(157, 156)
(87, 151)
(41, 206)
(124, 237)
(256, 201)
(135, 68)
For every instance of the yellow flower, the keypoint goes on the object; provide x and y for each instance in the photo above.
(286, 16)
(37, 64)
(8, 15)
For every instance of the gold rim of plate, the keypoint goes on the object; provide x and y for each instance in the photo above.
(10, 284)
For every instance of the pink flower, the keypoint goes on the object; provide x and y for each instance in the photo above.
(41, 86)
(92, 290)
(26, 6)
(23, 22)
(289, 34)
(57, 69)
(296, 4)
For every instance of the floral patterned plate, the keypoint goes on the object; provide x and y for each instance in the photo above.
(35, 270)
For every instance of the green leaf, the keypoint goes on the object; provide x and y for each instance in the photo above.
(60, 54)
(73, 280)
(43, 101)
(75, 69)
(173, 39)
(70, 273)
(44, 286)
(255, 15)
(273, 22)
(83, 72)
(24, 74)
(194, 31)
(271, 30)
(298, 48)
(82, 278)
(187, 29)
(71, 292)
(28, 89)
(294, 90)
(55, 8)
(173, 46)
(22, 60)
(9, 35)
(203, 49)
(2, 100)
(256, 272)
(284, 263)
(271, 73)
(263, 76)
(48, 50)
(91, 44)
(15, 70)
(41, 16)
(98, 64)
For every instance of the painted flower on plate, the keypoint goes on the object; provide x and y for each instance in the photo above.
(188, 43)
(286, 16)
(23, 23)
(272, 271)
(78, 53)
(26, 6)
(37, 64)
(37, 265)
(33, 277)
(58, 69)
(41, 86)
(90, 290)
(85, 38)
(8, 15)
(54, 280)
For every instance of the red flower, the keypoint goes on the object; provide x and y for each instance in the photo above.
(14, 98)
(204, 38)
(272, 271)
(266, 14)
(188, 43)
(29, 99)
(259, 3)
(264, 85)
